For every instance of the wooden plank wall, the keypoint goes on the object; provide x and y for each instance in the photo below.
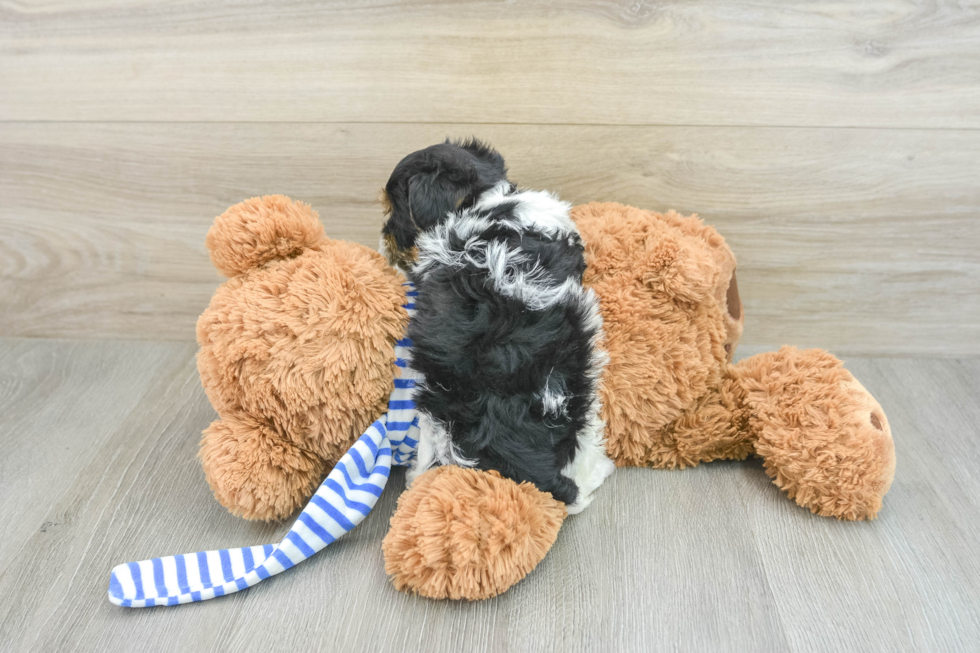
(836, 145)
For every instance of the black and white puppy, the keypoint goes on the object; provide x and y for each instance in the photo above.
(505, 336)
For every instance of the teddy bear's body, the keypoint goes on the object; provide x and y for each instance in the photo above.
(297, 355)
(672, 398)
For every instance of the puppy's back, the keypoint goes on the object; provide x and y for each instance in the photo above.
(505, 338)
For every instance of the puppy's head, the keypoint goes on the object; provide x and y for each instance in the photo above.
(427, 185)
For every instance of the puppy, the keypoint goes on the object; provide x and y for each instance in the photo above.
(505, 336)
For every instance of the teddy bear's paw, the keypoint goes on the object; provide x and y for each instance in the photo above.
(461, 533)
(824, 439)
(255, 472)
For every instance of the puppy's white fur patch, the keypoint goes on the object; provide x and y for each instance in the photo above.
(507, 267)
(435, 448)
(554, 401)
(535, 209)
(591, 466)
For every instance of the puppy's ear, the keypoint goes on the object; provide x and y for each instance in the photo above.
(432, 196)
(415, 206)
(426, 186)
(422, 203)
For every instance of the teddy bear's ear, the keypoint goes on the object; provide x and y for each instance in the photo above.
(259, 230)
(681, 268)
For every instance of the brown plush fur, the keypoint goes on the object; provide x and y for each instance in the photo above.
(296, 353)
(671, 398)
(260, 230)
(254, 471)
(462, 533)
(661, 293)
(297, 358)
(823, 437)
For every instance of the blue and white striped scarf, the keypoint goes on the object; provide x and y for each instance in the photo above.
(343, 500)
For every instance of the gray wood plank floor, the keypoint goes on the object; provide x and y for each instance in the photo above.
(98, 467)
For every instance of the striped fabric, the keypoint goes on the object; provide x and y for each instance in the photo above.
(342, 501)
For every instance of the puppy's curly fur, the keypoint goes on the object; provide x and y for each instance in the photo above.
(504, 335)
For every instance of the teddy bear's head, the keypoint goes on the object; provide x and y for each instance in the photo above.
(671, 312)
(297, 347)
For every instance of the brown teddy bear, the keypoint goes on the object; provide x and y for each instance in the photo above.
(672, 398)
(296, 353)
(297, 356)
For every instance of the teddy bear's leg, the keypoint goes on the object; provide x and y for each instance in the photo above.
(714, 427)
(824, 439)
(256, 472)
(461, 533)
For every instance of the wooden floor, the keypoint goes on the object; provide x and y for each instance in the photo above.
(98, 468)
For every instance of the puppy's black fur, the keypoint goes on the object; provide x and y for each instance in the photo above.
(428, 184)
(510, 377)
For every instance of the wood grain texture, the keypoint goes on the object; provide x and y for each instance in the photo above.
(711, 558)
(881, 63)
(861, 241)
(59, 402)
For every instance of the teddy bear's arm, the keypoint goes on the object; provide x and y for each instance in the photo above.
(254, 471)
(462, 533)
(823, 437)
